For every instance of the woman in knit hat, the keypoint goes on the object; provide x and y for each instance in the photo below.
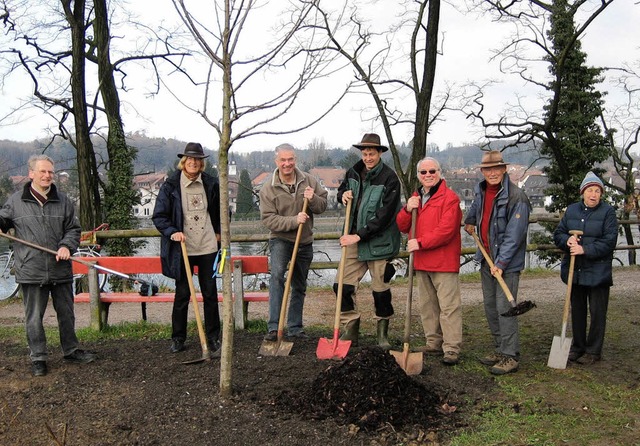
(592, 278)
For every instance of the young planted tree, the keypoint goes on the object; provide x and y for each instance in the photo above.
(257, 76)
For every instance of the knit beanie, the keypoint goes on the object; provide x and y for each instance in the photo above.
(591, 179)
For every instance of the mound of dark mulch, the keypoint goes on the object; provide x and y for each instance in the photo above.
(367, 389)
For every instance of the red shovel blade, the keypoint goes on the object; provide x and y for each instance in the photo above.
(332, 348)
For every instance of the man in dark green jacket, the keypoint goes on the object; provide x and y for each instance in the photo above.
(373, 237)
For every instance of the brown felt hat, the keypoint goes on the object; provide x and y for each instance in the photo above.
(492, 158)
(371, 141)
(193, 150)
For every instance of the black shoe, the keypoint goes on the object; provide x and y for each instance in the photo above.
(574, 356)
(81, 357)
(177, 345)
(271, 336)
(215, 348)
(38, 368)
(589, 359)
(298, 335)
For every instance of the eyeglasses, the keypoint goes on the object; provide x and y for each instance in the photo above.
(430, 171)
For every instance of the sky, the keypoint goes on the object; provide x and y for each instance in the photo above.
(467, 44)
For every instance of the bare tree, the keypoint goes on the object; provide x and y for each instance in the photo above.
(545, 52)
(622, 128)
(36, 58)
(262, 75)
(394, 71)
(49, 42)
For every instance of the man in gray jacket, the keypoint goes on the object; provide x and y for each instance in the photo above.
(42, 215)
(281, 202)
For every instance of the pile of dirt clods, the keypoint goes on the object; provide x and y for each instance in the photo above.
(368, 389)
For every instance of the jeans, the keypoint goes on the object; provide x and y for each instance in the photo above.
(209, 291)
(280, 253)
(35, 299)
(503, 329)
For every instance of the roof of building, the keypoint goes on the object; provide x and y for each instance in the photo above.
(329, 177)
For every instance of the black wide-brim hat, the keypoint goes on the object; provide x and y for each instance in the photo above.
(371, 141)
(193, 150)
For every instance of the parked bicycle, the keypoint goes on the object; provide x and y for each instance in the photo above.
(9, 287)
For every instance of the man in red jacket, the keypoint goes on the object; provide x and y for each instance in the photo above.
(436, 254)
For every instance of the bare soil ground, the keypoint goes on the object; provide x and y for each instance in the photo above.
(137, 393)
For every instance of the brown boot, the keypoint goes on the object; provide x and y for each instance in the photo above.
(383, 329)
(352, 331)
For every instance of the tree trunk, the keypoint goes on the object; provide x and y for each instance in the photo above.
(89, 208)
(119, 196)
(424, 94)
(226, 360)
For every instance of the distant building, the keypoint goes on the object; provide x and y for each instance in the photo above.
(534, 186)
(257, 183)
(147, 186)
(330, 178)
(19, 181)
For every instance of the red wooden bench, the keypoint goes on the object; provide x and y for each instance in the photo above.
(241, 265)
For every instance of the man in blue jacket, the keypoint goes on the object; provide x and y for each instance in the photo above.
(373, 236)
(500, 215)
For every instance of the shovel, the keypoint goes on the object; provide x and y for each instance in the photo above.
(411, 363)
(206, 354)
(516, 309)
(279, 347)
(561, 345)
(337, 349)
(75, 259)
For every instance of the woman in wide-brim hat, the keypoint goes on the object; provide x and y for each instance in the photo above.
(188, 211)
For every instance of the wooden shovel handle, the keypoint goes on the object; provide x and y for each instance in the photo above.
(501, 281)
(567, 299)
(407, 321)
(336, 321)
(194, 301)
(287, 286)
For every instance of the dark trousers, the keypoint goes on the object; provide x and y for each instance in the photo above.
(209, 296)
(595, 302)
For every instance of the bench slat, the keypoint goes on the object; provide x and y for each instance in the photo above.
(249, 296)
(152, 265)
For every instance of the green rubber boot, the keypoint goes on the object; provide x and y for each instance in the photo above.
(351, 333)
(383, 329)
